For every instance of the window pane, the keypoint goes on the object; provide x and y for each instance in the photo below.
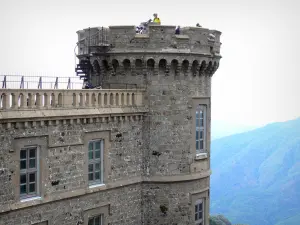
(91, 155)
(91, 221)
(32, 187)
(90, 167)
(90, 146)
(31, 163)
(201, 134)
(197, 123)
(23, 189)
(196, 216)
(32, 177)
(32, 153)
(196, 208)
(200, 207)
(91, 177)
(97, 154)
(23, 179)
(197, 145)
(97, 220)
(97, 166)
(197, 114)
(97, 176)
(200, 215)
(23, 154)
(23, 164)
(201, 113)
(201, 144)
(201, 123)
(97, 145)
(197, 134)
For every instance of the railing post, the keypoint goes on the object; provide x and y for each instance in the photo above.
(22, 83)
(56, 83)
(69, 83)
(4, 82)
(40, 86)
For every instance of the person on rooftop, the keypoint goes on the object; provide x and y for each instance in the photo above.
(198, 25)
(156, 19)
(177, 31)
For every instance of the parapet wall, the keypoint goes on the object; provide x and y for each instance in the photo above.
(69, 106)
(158, 37)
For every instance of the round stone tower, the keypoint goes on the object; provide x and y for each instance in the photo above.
(176, 72)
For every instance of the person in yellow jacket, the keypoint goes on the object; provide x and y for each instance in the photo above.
(156, 19)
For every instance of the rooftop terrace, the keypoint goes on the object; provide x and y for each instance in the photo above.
(162, 38)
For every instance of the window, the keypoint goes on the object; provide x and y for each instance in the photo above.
(97, 216)
(95, 166)
(199, 212)
(200, 128)
(29, 172)
(95, 220)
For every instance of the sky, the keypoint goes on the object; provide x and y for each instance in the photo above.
(257, 81)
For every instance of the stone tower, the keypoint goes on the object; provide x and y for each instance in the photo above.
(175, 71)
(136, 151)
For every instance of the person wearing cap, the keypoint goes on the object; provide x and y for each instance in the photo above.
(156, 19)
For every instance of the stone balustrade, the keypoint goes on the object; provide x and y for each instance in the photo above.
(28, 99)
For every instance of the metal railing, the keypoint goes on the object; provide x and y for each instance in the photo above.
(100, 38)
(39, 82)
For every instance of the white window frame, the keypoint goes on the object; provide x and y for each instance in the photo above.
(92, 162)
(200, 128)
(29, 171)
(198, 212)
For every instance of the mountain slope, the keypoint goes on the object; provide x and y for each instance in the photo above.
(256, 175)
(221, 129)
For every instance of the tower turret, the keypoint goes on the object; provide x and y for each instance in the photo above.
(176, 71)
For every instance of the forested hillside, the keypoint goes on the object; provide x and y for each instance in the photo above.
(256, 175)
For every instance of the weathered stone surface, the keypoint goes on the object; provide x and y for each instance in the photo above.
(145, 114)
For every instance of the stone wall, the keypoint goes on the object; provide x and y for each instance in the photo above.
(166, 204)
(123, 209)
(65, 192)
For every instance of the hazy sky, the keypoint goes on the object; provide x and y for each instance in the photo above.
(258, 78)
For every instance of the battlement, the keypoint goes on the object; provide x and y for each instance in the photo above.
(161, 38)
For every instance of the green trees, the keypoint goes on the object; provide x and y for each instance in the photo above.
(220, 220)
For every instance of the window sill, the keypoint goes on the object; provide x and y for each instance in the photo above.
(200, 156)
(96, 185)
(31, 199)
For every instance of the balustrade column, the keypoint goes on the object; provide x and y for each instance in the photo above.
(14, 100)
(30, 100)
(38, 100)
(46, 100)
(87, 99)
(5, 101)
(128, 99)
(22, 100)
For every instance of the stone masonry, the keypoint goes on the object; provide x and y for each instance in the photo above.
(144, 113)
